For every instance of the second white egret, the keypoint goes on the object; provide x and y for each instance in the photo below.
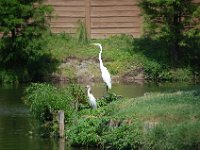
(91, 98)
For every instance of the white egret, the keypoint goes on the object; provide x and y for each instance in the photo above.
(91, 98)
(104, 71)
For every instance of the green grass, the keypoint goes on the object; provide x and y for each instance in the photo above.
(169, 120)
(116, 51)
(121, 55)
(168, 107)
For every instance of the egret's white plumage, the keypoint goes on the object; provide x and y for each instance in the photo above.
(91, 98)
(104, 71)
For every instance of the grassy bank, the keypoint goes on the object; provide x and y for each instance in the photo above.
(154, 121)
(125, 57)
(168, 120)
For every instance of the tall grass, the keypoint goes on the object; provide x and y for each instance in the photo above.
(121, 55)
(154, 121)
(82, 34)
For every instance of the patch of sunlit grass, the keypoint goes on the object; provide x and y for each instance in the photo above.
(165, 107)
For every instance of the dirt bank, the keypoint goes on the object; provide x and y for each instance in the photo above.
(87, 70)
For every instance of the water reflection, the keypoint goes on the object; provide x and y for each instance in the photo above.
(16, 122)
(130, 90)
(135, 90)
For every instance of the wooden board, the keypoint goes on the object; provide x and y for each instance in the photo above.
(113, 2)
(103, 18)
(115, 13)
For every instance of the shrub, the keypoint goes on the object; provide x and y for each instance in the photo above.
(79, 96)
(85, 132)
(82, 34)
(176, 23)
(123, 137)
(45, 100)
(105, 100)
(22, 46)
(7, 76)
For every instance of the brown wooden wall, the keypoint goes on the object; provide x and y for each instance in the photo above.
(102, 17)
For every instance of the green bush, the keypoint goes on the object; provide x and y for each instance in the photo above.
(24, 28)
(46, 100)
(82, 34)
(8, 77)
(183, 136)
(155, 121)
(181, 74)
(176, 23)
(105, 100)
(85, 132)
(78, 93)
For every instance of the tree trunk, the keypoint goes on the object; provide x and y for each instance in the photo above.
(176, 31)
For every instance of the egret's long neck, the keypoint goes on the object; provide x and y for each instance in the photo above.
(100, 53)
(88, 90)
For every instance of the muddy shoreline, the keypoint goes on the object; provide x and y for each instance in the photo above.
(87, 71)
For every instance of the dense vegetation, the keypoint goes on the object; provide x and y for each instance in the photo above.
(45, 101)
(167, 120)
(168, 50)
(175, 25)
(154, 121)
(122, 55)
(23, 54)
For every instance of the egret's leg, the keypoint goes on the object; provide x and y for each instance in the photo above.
(106, 89)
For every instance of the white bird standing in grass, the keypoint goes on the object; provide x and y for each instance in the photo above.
(91, 98)
(104, 71)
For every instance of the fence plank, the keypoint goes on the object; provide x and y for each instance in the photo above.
(70, 13)
(115, 13)
(114, 30)
(63, 19)
(113, 2)
(66, 30)
(103, 18)
(69, 8)
(88, 17)
(115, 24)
(116, 19)
(66, 3)
(110, 8)
(64, 25)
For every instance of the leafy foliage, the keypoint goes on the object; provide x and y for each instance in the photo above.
(155, 121)
(46, 100)
(24, 27)
(175, 23)
(82, 34)
(108, 98)
(85, 132)
(7, 76)
(123, 137)
(79, 96)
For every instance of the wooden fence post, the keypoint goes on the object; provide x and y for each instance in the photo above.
(61, 123)
(88, 17)
(61, 144)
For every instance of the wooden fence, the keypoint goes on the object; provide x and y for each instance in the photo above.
(102, 17)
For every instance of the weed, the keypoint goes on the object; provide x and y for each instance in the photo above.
(82, 34)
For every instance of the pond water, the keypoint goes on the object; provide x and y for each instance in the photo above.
(16, 123)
